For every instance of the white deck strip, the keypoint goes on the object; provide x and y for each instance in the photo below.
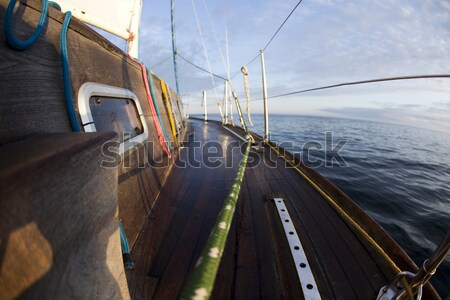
(305, 275)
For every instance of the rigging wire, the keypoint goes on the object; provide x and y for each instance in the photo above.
(226, 31)
(273, 36)
(281, 26)
(410, 77)
(161, 62)
(204, 47)
(174, 45)
(200, 68)
(228, 51)
(253, 59)
(228, 82)
(217, 40)
(227, 64)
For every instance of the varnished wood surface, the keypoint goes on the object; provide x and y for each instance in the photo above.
(257, 263)
(32, 99)
(59, 236)
(180, 221)
(162, 108)
(344, 269)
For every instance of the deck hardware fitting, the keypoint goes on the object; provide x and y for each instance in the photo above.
(305, 275)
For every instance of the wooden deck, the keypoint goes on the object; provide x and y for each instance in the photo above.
(166, 212)
(257, 263)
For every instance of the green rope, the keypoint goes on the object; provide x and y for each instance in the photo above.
(241, 117)
(201, 281)
(238, 106)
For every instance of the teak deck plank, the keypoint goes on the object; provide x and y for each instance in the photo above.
(246, 285)
(257, 263)
(193, 210)
(345, 245)
(345, 259)
(182, 254)
(270, 285)
(168, 222)
(312, 220)
(154, 231)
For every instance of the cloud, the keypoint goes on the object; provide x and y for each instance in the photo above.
(324, 42)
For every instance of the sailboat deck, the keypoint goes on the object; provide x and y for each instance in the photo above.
(257, 263)
(69, 202)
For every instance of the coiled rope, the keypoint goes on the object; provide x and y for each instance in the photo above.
(152, 92)
(66, 74)
(169, 110)
(161, 138)
(244, 71)
(238, 108)
(21, 45)
(201, 282)
(55, 5)
(13, 41)
(171, 100)
(128, 262)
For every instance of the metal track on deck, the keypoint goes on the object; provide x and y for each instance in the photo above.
(304, 272)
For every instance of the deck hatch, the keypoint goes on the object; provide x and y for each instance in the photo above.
(116, 114)
(109, 108)
(305, 275)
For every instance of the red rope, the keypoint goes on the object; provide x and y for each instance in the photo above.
(161, 137)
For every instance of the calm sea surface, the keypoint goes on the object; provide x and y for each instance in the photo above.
(400, 175)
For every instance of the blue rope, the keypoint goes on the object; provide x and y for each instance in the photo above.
(13, 41)
(123, 240)
(152, 92)
(17, 44)
(128, 262)
(66, 75)
(55, 5)
(22, 45)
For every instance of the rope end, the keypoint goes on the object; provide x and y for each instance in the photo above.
(128, 261)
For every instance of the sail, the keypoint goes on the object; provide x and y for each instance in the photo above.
(121, 18)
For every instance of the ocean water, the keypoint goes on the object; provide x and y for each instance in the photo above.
(400, 175)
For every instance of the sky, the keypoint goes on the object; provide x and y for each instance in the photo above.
(324, 42)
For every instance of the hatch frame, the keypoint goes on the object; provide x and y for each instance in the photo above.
(92, 89)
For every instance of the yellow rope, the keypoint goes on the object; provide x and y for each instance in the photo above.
(344, 215)
(169, 109)
(174, 109)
